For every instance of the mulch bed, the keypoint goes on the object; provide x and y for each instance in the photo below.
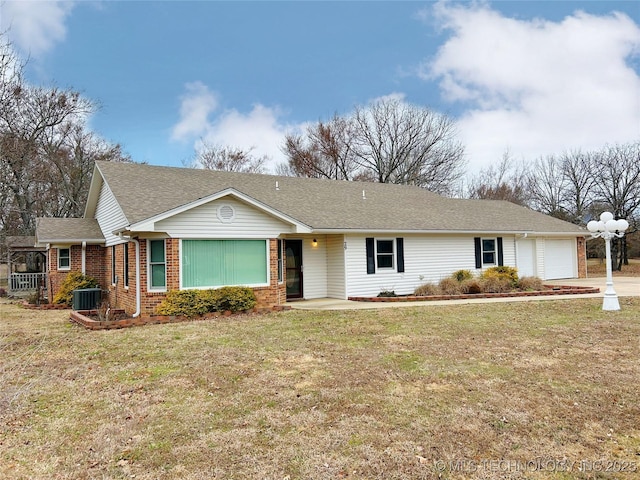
(552, 290)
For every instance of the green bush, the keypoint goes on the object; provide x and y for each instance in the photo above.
(234, 299)
(503, 272)
(74, 281)
(188, 303)
(462, 275)
(193, 303)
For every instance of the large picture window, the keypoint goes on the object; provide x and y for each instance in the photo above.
(216, 263)
(157, 265)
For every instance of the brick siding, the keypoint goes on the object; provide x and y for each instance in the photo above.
(582, 257)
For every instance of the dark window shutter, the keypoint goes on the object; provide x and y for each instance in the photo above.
(400, 254)
(478, 244)
(371, 262)
(500, 255)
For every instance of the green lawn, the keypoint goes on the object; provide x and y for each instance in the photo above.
(471, 391)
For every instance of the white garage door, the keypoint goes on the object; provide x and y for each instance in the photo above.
(559, 259)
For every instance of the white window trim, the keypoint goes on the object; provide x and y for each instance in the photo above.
(393, 267)
(149, 287)
(250, 285)
(65, 269)
(279, 260)
(495, 251)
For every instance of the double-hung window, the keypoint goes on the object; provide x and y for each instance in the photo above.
(157, 265)
(384, 254)
(64, 259)
(488, 251)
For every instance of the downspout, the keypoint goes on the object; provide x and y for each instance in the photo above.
(84, 258)
(138, 290)
(138, 294)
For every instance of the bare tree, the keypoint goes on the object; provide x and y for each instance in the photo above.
(38, 131)
(578, 173)
(402, 143)
(617, 184)
(508, 180)
(388, 141)
(326, 151)
(229, 159)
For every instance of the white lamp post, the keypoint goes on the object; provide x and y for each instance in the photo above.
(608, 228)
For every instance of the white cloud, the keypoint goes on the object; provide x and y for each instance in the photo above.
(196, 104)
(261, 129)
(35, 26)
(536, 86)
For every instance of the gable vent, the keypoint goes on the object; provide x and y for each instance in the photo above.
(226, 213)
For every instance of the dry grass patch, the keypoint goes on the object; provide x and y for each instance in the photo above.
(597, 268)
(320, 395)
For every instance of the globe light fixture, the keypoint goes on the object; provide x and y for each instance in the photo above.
(608, 228)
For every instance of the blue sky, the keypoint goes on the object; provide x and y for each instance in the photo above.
(533, 78)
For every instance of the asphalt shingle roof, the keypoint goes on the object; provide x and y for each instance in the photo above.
(71, 230)
(144, 191)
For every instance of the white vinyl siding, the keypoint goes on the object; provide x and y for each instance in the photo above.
(314, 264)
(109, 216)
(426, 259)
(204, 222)
(336, 287)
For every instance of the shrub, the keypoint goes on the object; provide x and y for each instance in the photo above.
(450, 286)
(74, 281)
(234, 299)
(496, 284)
(192, 303)
(387, 293)
(426, 290)
(509, 273)
(3, 292)
(184, 302)
(462, 275)
(472, 286)
(530, 284)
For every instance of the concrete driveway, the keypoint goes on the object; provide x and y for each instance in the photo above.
(624, 287)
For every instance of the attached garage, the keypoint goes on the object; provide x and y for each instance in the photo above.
(560, 259)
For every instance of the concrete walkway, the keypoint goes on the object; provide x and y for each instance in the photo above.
(624, 287)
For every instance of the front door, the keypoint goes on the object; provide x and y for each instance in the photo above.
(293, 255)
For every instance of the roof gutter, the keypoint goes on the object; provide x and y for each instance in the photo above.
(329, 231)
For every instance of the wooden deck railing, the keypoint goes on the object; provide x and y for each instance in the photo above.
(25, 282)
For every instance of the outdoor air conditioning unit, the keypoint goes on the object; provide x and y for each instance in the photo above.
(86, 298)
